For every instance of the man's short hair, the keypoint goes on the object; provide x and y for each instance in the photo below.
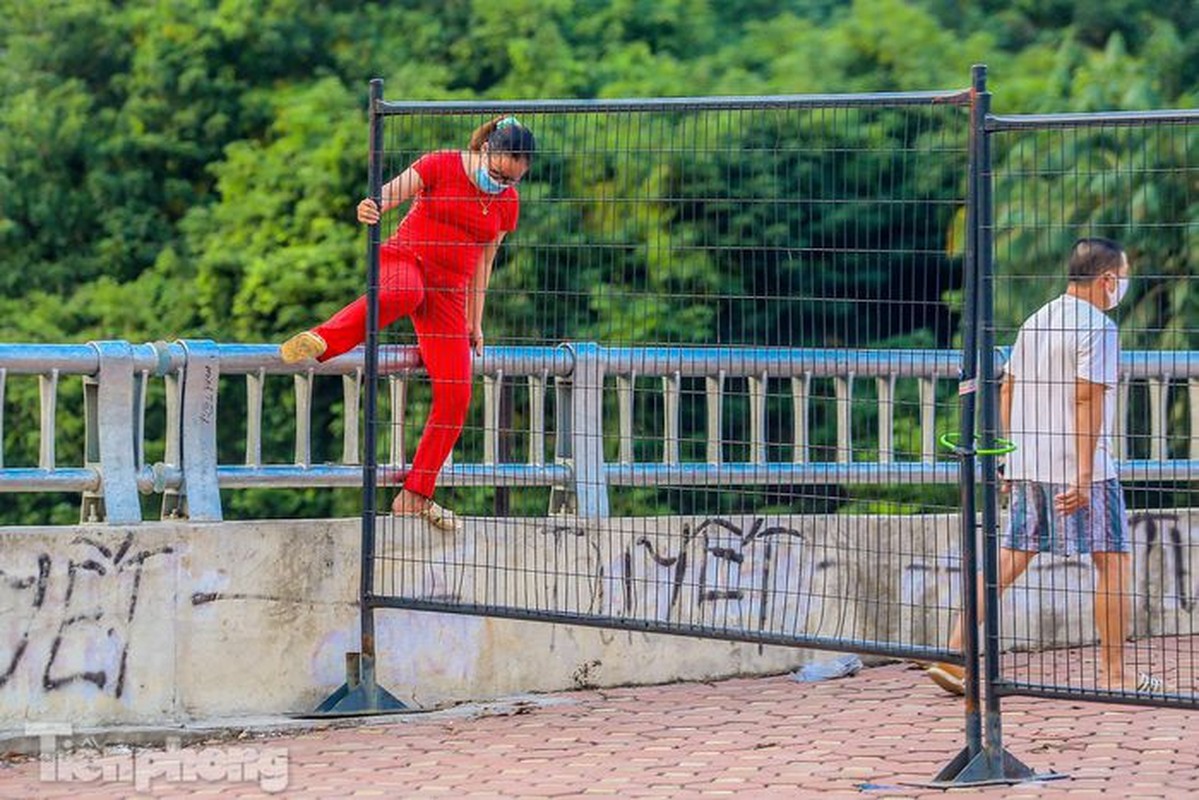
(1092, 256)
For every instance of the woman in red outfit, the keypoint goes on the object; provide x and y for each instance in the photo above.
(435, 269)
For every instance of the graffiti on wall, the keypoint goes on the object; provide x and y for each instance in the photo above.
(846, 579)
(756, 576)
(715, 573)
(1166, 564)
(69, 623)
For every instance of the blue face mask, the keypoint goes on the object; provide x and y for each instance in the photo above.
(487, 183)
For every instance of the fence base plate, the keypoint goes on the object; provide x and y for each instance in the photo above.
(359, 695)
(984, 769)
(359, 702)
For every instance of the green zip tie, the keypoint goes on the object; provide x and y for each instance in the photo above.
(952, 442)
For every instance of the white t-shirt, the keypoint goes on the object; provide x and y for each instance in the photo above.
(1067, 338)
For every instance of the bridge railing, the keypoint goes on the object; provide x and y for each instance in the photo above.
(592, 404)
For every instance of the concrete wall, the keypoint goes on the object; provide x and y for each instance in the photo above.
(165, 622)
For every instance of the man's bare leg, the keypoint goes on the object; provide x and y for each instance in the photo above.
(1012, 564)
(1112, 586)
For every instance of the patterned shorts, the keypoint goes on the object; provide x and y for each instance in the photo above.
(1034, 526)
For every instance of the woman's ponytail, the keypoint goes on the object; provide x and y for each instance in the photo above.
(504, 134)
(482, 133)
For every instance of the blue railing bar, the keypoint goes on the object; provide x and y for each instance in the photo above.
(526, 360)
(786, 473)
(288, 476)
(1143, 470)
(780, 473)
(1140, 364)
(284, 476)
(1016, 122)
(1173, 364)
(248, 359)
(243, 359)
(697, 362)
(503, 475)
(59, 479)
(41, 359)
(83, 359)
(293, 476)
(720, 103)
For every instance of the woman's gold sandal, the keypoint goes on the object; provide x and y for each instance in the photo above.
(301, 347)
(441, 518)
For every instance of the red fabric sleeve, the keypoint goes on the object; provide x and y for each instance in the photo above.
(431, 166)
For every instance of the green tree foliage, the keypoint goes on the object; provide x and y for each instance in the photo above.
(190, 168)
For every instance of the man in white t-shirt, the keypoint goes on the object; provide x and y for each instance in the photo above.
(1058, 405)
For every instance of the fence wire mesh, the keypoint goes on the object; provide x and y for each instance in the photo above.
(1064, 621)
(720, 348)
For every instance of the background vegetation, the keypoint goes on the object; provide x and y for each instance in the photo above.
(189, 168)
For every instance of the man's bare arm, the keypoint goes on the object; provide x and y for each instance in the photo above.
(1088, 422)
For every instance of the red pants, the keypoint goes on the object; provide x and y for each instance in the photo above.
(439, 316)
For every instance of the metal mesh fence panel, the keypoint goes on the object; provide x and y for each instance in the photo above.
(1133, 179)
(720, 346)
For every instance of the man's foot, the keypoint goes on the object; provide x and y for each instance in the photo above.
(949, 677)
(1149, 683)
(301, 347)
(1142, 683)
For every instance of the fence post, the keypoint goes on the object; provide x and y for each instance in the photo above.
(361, 694)
(110, 406)
(963, 767)
(983, 762)
(999, 763)
(198, 414)
(579, 440)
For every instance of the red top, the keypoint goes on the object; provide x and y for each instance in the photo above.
(451, 219)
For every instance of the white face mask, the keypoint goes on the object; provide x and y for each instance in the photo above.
(1121, 290)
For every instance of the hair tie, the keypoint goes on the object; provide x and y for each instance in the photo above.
(506, 122)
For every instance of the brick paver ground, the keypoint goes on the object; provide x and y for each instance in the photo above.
(879, 734)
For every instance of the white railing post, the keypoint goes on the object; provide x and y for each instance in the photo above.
(625, 389)
(757, 418)
(303, 391)
(714, 389)
(537, 384)
(351, 392)
(493, 388)
(886, 418)
(843, 392)
(672, 391)
(801, 390)
(928, 420)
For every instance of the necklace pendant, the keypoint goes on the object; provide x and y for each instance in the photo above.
(484, 210)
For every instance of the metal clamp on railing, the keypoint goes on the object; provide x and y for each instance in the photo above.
(198, 420)
(113, 404)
